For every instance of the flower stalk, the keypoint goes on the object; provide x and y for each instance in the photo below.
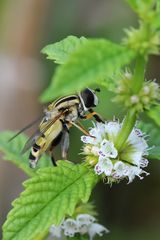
(130, 120)
(138, 77)
(126, 129)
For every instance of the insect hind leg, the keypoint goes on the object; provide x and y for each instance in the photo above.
(55, 142)
(53, 160)
(65, 141)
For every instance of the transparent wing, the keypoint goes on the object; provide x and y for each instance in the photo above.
(25, 128)
(31, 141)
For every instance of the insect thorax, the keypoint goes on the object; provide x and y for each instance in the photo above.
(71, 103)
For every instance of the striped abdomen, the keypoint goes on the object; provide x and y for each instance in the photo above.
(43, 142)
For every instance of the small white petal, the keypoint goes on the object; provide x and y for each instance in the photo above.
(135, 157)
(144, 163)
(138, 141)
(83, 222)
(107, 149)
(87, 139)
(138, 132)
(112, 129)
(134, 171)
(96, 228)
(98, 170)
(70, 227)
(84, 219)
(56, 231)
(121, 169)
(99, 129)
(97, 135)
(83, 229)
(106, 165)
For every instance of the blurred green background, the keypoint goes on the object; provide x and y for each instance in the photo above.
(26, 26)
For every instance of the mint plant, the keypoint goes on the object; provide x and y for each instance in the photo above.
(55, 199)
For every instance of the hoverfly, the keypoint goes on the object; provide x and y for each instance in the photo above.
(58, 118)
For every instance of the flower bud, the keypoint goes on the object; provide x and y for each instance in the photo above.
(148, 95)
(134, 99)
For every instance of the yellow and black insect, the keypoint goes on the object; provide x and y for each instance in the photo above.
(59, 116)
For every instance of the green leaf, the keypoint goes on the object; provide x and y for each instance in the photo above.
(61, 51)
(156, 19)
(151, 131)
(47, 198)
(156, 23)
(158, 6)
(141, 5)
(91, 63)
(154, 153)
(12, 152)
(154, 114)
(153, 134)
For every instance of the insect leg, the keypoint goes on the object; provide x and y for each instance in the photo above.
(81, 128)
(97, 117)
(65, 141)
(93, 114)
(53, 159)
(55, 142)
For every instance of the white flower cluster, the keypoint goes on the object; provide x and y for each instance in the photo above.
(127, 163)
(83, 224)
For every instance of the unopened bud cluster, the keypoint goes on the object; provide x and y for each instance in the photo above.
(142, 41)
(143, 100)
(100, 151)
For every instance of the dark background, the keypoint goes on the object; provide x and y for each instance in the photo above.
(26, 26)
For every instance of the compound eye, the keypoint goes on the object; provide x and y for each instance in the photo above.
(89, 98)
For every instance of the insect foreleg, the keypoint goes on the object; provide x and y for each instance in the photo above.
(97, 117)
(93, 114)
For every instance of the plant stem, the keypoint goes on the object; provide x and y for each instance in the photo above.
(138, 77)
(126, 129)
(131, 116)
